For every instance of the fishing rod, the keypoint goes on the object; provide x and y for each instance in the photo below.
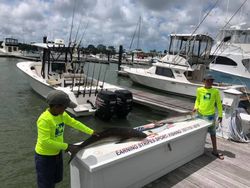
(104, 78)
(84, 31)
(96, 90)
(86, 82)
(79, 83)
(72, 22)
(78, 28)
(133, 36)
(92, 80)
(68, 50)
(139, 32)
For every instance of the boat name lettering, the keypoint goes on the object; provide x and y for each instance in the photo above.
(127, 149)
(148, 141)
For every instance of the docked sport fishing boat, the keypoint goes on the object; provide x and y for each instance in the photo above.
(62, 68)
(182, 70)
(134, 163)
(231, 56)
(10, 47)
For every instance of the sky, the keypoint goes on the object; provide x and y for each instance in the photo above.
(115, 22)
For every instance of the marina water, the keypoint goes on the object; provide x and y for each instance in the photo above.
(20, 108)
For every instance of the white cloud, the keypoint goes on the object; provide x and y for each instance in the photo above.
(114, 22)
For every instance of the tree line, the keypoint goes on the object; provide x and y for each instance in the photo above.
(90, 49)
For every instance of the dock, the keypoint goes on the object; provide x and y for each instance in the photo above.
(20, 57)
(162, 102)
(208, 171)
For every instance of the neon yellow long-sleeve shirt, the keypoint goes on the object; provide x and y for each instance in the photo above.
(50, 132)
(206, 99)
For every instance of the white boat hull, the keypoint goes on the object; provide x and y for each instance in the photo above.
(40, 86)
(165, 85)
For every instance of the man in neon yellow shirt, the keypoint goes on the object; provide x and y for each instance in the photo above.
(206, 100)
(50, 128)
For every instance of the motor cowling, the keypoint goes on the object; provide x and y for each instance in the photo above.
(124, 102)
(105, 104)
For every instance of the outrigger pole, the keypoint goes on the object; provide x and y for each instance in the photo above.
(197, 27)
(229, 37)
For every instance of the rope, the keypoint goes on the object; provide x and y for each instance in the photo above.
(235, 128)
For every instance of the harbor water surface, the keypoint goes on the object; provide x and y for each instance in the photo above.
(20, 108)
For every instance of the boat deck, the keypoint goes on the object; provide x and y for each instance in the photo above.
(162, 102)
(208, 171)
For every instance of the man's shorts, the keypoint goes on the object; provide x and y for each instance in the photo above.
(212, 128)
(49, 170)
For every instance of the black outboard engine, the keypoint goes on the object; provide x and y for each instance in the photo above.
(105, 104)
(124, 103)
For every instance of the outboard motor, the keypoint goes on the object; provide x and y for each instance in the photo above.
(124, 103)
(105, 104)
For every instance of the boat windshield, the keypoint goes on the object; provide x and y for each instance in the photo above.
(246, 63)
(237, 36)
(196, 48)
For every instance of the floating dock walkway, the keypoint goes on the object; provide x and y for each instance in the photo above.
(162, 102)
(208, 171)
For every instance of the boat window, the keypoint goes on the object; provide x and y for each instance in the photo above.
(175, 46)
(164, 72)
(177, 72)
(58, 67)
(222, 61)
(237, 36)
(246, 63)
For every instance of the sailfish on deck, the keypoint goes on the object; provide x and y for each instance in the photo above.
(121, 133)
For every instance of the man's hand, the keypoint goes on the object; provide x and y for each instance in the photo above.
(72, 148)
(95, 134)
(219, 119)
(194, 110)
